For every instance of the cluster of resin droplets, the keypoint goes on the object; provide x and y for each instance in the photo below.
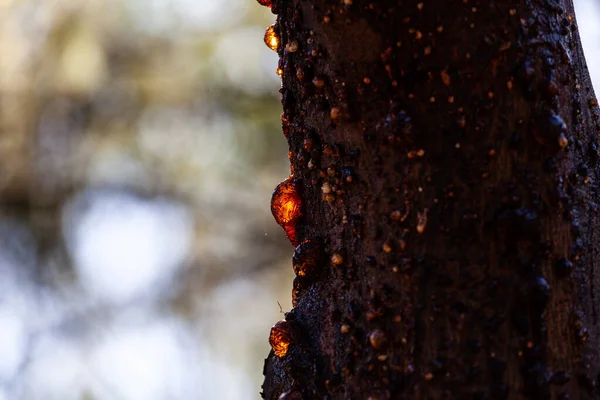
(286, 207)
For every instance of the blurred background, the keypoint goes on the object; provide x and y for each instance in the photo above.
(140, 143)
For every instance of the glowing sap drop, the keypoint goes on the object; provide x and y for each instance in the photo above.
(271, 39)
(280, 338)
(286, 202)
(266, 3)
(286, 207)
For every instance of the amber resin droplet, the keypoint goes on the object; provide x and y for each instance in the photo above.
(271, 39)
(286, 207)
(266, 3)
(280, 338)
(307, 257)
(377, 339)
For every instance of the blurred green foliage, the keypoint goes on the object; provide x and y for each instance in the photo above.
(170, 100)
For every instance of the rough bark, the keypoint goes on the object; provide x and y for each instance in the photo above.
(444, 157)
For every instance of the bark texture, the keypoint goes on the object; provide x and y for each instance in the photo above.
(446, 156)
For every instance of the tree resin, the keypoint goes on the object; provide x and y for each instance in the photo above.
(280, 338)
(266, 3)
(286, 206)
(271, 39)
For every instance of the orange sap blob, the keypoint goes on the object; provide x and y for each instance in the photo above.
(266, 3)
(280, 338)
(271, 39)
(286, 207)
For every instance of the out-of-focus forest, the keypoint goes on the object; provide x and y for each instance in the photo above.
(140, 143)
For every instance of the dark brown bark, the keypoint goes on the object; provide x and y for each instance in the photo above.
(445, 155)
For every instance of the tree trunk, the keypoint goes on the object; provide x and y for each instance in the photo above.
(444, 194)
